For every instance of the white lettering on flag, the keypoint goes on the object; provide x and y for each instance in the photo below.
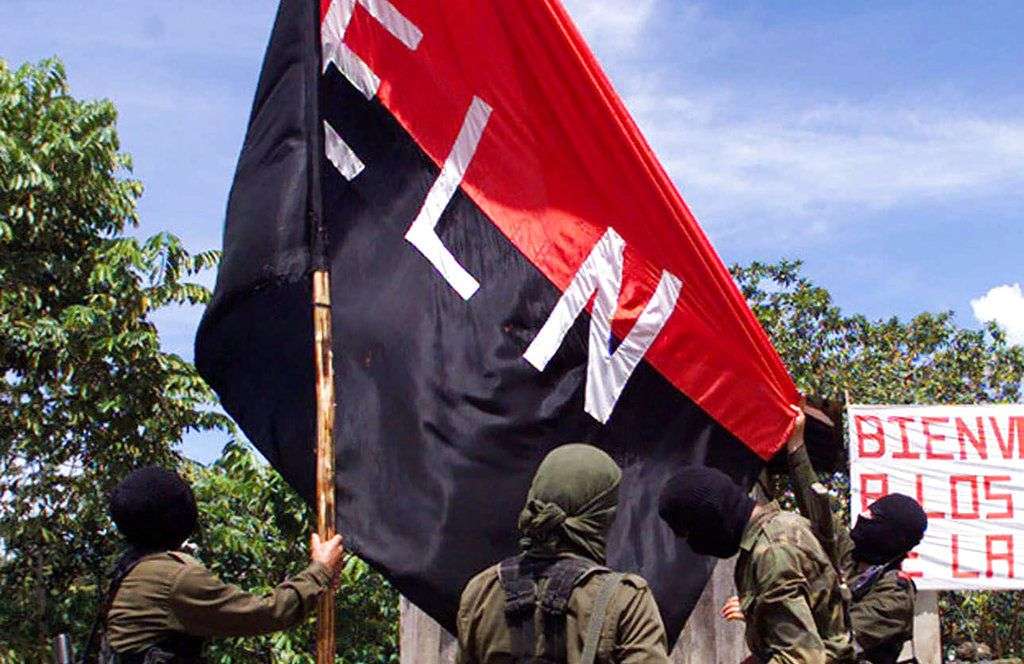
(333, 29)
(335, 25)
(423, 231)
(607, 372)
(340, 154)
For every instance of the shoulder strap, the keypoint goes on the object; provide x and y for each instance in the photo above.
(520, 605)
(518, 577)
(563, 577)
(122, 569)
(609, 584)
(520, 589)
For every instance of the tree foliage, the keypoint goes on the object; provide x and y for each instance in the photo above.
(928, 359)
(86, 394)
(85, 391)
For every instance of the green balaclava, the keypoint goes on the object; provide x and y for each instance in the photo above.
(571, 504)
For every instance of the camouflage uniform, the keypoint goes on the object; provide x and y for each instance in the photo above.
(632, 632)
(883, 619)
(790, 593)
(171, 594)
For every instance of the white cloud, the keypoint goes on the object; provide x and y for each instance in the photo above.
(799, 164)
(1004, 305)
(615, 26)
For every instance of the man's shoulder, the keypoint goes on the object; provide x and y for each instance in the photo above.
(783, 526)
(634, 581)
(788, 536)
(628, 582)
(485, 576)
(482, 583)
(896, 583)
(182, 558)
(890, 598)
(166, 561)
(488, 581)
(163, 569)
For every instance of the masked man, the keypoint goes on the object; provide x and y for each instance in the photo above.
(162, 603)
(556, 602)
(789, 590)
(869, 556)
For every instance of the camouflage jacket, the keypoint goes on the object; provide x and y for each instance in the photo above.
(884, 617)
(790, 593)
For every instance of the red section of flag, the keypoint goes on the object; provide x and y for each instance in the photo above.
(560, 161)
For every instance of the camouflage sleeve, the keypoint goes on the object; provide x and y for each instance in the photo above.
(782, 613)
(885, 614)
(844, 548)
(812, 500)
(203, 605)
(640, 637)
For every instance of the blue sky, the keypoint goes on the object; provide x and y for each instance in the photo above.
(883, 143)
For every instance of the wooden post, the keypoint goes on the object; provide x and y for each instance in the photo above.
(421, 639)
(707, 638)
(927, 632)
(325, 646)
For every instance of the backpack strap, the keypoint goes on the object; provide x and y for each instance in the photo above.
(563, 577)
(520, 589)
(122, 569)
(524, 608)
(609, 584)
(520, 606)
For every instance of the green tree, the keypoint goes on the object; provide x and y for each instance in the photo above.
(928, 359)
(255, 530)
(85, 391)
(86, 394)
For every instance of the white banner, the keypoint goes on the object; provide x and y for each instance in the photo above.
(965, 465)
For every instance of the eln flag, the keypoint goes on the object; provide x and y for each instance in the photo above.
(512, 270)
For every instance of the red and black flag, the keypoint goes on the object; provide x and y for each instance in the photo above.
(511, 270)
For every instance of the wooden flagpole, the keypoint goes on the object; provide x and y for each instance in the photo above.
(325, 646)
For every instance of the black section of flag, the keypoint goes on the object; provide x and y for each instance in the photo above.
(267, 230)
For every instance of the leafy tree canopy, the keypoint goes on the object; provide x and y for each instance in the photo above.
(86, 393)
(929, 359)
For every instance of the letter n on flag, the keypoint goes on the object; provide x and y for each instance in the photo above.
(512, 270)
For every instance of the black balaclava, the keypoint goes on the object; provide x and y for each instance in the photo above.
(154, 509)
(704, 506)
(896, 526)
